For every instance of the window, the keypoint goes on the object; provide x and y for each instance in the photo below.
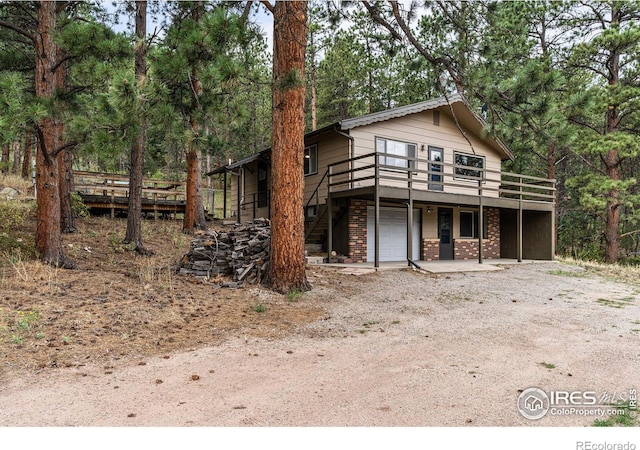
(435, 154)
(469, 224)
(311, 211)
(390, 148)
(311, 160)
(462, 159)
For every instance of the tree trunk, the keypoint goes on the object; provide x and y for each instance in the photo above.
(314, 99)
(65, 177)
(65, 161)
(48, 236)
(611, 159)
(611, 233)
(15, 168)
(26, 160)
(136, 170)
(194, 217)
(551, 174)
(287, 234)
(4, 162)
(194, 211)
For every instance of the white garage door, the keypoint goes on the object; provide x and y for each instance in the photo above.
(393, 234)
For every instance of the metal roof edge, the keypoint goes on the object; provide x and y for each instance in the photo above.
(401, 111)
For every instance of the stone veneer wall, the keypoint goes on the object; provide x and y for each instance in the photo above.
(357, 223)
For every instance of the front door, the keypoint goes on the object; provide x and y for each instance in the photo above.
(445, 232)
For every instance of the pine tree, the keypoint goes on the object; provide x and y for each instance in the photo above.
(133, 233)
(48, 239)
(290, 27)
(604, 67)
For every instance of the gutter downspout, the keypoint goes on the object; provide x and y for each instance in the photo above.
(329, 200)
(352, 149)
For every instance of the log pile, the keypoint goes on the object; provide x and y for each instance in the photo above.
(242, 252)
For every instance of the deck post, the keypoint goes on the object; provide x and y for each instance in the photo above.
(155, 202)
(410, 219)
(113, 204)
(376, 213)
(329, 217)
(480, 221)
(519, 222)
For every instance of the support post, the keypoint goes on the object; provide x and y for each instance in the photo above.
(329, 218)
(410, 219)
(480, 222)
(376, 208)
(240, 183)
(519, 223)
(224, 200)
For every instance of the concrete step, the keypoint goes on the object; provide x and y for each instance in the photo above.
(316, 260)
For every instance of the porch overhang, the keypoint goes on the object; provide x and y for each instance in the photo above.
(240, 163)
(401, 195)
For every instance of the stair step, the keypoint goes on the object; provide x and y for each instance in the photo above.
(315, 260)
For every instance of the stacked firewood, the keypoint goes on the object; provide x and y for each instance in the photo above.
(242, 252)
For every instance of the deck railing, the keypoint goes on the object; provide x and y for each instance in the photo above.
(436, 176)
(111, 191)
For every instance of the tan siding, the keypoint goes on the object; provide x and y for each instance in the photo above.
(249, 193)
(331, 149)
(419, 129)
(416, 129)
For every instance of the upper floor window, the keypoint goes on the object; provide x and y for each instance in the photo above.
(435, 169)
(311, 160)
(463, 159)
(390, 148)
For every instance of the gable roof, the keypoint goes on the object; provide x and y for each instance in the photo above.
(454, 104)
(401, 111)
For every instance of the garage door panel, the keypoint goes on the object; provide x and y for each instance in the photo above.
(393, 234)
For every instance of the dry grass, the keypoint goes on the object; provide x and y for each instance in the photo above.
(16, 182)
(617, 272)
(120, 306)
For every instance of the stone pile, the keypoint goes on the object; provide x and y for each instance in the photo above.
(242, 252)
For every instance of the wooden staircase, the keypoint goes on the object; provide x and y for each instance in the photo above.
(316, 227)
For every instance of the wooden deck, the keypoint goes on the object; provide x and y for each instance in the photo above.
(109, 194)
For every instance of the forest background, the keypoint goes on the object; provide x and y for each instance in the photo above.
(559, 82)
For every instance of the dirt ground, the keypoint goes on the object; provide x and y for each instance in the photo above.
(124, 341)
(120, 307)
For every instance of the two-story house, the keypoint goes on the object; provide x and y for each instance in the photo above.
(428, 165)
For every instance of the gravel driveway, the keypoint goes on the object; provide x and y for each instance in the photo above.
(396, 348)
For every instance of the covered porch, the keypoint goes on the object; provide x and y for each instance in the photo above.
(509, 214)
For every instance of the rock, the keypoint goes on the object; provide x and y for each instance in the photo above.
(7, 193)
